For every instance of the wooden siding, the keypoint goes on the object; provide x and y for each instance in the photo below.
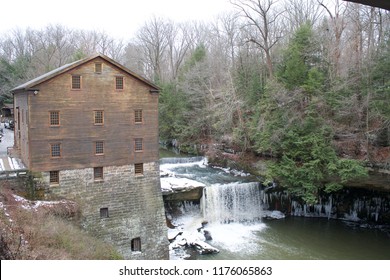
(21, 119)
(77, 133)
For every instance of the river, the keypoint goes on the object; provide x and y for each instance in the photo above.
(233, 209)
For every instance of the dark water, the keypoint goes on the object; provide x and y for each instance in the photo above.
(296, 238)
(291, 238)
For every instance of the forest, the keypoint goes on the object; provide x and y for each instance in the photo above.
(305, 83)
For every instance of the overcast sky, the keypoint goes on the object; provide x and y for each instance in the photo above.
(118, 18)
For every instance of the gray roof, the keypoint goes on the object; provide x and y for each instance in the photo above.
(49, 75)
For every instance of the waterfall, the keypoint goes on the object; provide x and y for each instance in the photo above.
(233, 202)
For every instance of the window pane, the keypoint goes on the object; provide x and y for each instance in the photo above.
(55, 118)
(138, 144)
(138, 116)
(56, 150)
(76, 82)
(99, 117)
(99, 147)
(54, 177)
(119, 82)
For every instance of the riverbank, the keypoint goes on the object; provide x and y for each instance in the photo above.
(228, 157)
(235, 204)
(365, 201)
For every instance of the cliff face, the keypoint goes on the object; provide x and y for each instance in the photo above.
(364, 206)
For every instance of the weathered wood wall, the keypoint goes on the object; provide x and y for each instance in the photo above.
(77, 132)
(21, 118)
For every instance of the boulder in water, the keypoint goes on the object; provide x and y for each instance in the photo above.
(207, 235)
(203, 248)
(273, 215)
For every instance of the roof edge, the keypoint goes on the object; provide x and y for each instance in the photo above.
(29, 86)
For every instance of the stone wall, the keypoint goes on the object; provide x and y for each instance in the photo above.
(134, 203)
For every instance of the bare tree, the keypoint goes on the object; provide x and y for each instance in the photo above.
(226, 34)
(336, 28)
(132, 58)
(179, 44)
(300, 12)
(62, 40)
(153, 37)
(261, 25)
(87, 42)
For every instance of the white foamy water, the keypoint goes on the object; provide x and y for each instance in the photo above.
(232, 212)
(230, 207)
(236, 237)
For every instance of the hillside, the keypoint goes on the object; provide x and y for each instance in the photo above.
(45, 230)
(305, 83)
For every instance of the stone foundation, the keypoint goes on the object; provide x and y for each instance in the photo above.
(122, 209)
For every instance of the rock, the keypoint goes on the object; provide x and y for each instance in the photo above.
(207, 235)
(203, 248)
(164, 174)
(182, 239)
(169, 223)
(181, 189)
(182, 242)
(273, 215)
(173, 234)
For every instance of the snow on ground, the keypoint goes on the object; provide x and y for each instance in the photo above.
(29, 204)
(6, 162)
(6, 141)
(1, 165)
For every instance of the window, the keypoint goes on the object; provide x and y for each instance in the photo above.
(98, 67)
(55, 150)
(139, 169)
(99, 117)
(136, 244)
(99, 147)
(76, 82)
(138, 146)
(54, 177)
(98, 173)
(54, 118)
(119, 82)
(104, 213)
(138, 116)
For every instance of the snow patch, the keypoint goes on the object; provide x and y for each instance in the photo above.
(173, 184)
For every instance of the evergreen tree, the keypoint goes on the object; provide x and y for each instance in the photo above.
(309, 163)
(289, 125)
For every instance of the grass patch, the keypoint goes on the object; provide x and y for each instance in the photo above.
(30, 234)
